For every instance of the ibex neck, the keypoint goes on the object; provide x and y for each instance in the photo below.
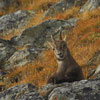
(64, 64)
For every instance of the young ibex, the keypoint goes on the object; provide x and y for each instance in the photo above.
(68, 69)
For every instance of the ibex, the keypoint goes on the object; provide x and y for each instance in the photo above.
(68, 69)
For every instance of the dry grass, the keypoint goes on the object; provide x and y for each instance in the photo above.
(83, 41)
(39, 6)
(37, 19)
(36, 72)
(71, 13)
(33, 21)
(36, 5)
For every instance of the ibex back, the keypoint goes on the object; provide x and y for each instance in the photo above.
(68, 69)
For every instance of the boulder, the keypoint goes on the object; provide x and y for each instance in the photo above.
(6, 3)
(60, 7)
(12, 21)
(90, 5)
(6, 51)
(37, 35)
(19, 58)
(21, 92)
(94, 60)
(82, 90)
(2, 75)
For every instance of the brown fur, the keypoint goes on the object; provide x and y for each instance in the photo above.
(68, 69)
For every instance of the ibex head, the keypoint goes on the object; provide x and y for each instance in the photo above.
(59, 47)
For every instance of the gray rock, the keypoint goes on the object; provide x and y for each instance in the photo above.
(90, 5)
(82, 90)
(21, 92)
(37, 35)
(2, 75)
(6, 51)
(95, 72)
(16, 20)
(19, 58)
(60, 7)
(5, 3)
(94, 60)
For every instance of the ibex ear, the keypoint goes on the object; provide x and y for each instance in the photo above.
(65, 38)
(50, 44)
(60, 36)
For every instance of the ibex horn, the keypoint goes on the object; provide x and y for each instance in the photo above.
(50, 44)
(65, 38)
(60, 36)
(52, 39)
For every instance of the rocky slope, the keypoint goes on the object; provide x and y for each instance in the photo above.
(61, 6)
(13, 21)
(83, 90)
(32, 42)
(6, 3)
(21, 92)
(90, 5)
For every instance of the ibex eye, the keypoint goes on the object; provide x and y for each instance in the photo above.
(53, 49)
(64, 45)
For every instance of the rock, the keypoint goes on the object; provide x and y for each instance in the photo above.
(94, 60)
(90, 5)
(32, 41)
(6, 51)
(2, 87)
(2, 75)
(21, 92)
(47, 89)
(36, 36)
(12, 21)
(95, 72)
(19, 58)
(60, 7)
(6, 3)
(81, 90)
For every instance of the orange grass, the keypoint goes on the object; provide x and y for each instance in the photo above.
(73, 12)
(34, 4)
(33, 21)
(83, 41)
(36, 72)
(37, 5)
